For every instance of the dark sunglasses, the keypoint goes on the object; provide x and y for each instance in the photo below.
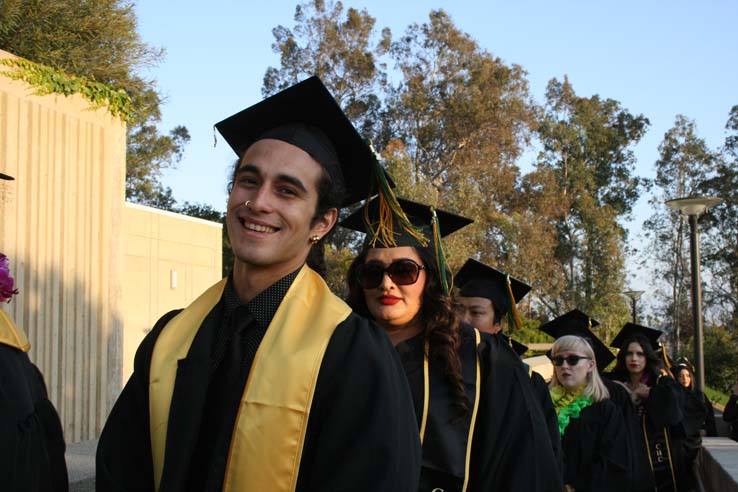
(572, 360)
(402, 272)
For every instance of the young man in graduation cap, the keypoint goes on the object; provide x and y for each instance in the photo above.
(268, 381)
(477, 418)
(486, 295)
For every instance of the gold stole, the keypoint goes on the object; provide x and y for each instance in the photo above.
(12, 335)
(269, 431)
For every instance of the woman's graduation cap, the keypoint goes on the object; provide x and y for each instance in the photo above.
(631, 329)
(389, 222)
(577, 323)
(476, 279)
(651, 334)
(306, 115)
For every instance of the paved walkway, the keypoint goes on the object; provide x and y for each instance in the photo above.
(81, 466)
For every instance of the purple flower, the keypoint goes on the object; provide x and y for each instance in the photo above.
(6, 281)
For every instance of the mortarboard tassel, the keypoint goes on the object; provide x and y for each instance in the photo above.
(440, 256)
(389, 209)
(513, 317)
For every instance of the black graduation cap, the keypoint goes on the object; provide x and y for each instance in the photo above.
(306, 115)
(5, 176)
(476, 279)
(630, 329)
(420, 216)
(389, 221)
(517, 347)
(577, 323)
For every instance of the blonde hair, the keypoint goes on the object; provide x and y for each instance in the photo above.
(594, 388)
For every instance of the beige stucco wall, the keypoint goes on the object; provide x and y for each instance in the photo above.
(159, 246)
(60, 224)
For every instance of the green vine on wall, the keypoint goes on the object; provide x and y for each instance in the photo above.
(48, 80)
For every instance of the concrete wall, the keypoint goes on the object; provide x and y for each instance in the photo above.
(60, 225)
(169, 259)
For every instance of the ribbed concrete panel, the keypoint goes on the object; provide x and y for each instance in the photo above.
(61, 226)
(169, 260)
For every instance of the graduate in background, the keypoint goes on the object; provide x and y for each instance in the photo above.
(268, 381)
(485, 297)
(32, 442)
(653, 412)
(701, 406)
(478, 420)
(593, 435)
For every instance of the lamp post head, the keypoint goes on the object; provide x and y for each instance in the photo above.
(693, 205)
(634, 295)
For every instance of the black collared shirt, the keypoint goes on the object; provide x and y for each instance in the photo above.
(236, 338)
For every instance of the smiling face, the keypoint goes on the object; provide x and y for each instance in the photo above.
(395, 306)
(478, 312)
(272, 234)
(635, 358)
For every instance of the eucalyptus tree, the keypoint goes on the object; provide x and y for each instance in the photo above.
(587, 145)
(721, 230)
(461, 118)
(99, 41)
(685, 163)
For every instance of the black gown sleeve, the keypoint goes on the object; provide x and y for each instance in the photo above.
(710, 427)
(32, 449)
(730, 414)
(123, 458)
(596, 450)
(362, 434)
(665, 403)
(512, 449)
(543, 396)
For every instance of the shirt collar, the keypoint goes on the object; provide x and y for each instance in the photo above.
(264, 305)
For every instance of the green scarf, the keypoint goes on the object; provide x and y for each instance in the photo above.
(568, 405)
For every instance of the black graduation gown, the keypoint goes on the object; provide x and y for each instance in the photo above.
(511, 448)
(360, 436)
(595, 450)
(31, 439)
(543, 397)
(663, 412)
(698, 412)
(730, 416)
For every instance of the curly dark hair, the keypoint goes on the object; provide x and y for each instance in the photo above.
(439, 320)
(653, 363)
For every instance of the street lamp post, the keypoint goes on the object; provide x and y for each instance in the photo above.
(692, 207)
(633, 295)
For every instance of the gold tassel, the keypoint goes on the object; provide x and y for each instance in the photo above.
(513, 316)
(389, 209)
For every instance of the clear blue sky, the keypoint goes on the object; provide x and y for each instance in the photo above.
(657, 57)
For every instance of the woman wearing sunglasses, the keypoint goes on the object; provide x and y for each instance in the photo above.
(654, 412)
(593, 438)
(479, 424)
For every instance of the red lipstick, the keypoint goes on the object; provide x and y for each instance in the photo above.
(388, 300)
